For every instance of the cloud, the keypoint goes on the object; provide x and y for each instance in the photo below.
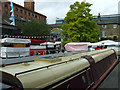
(53, 9)
(104, 6)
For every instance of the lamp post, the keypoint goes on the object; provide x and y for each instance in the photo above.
(61, 37)
(99, 21)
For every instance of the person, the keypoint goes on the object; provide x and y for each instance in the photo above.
(102, 47)
(105, 47)
(89, 48)
(57, 48)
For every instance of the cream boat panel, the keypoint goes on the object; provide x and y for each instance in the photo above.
(85, 53)
(47, 76)
(101, 56)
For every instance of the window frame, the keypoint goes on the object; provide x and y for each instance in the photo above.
(28, 13)
(21, 11)
(25, 12)
(114, 26)
(104, 26)
(16, 9)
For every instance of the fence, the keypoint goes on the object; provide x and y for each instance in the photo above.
(26, 53)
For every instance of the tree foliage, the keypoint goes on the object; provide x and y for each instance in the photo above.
(34, 28)
(79, 26)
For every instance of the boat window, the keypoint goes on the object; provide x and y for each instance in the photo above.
(19, 44)
(7, 45)
(27, 45)
(15, 45)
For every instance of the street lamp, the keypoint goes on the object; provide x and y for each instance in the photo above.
(61, 37)
(99, 21)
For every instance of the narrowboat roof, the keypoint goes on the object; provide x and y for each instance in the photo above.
(42, 62)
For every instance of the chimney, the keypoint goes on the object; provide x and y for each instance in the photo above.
(29, 4)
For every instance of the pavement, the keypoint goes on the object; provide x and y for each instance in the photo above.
(112, 81)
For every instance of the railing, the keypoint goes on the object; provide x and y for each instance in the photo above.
(26, 53)
(46, 66)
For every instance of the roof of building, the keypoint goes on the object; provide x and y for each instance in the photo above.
(107, 19)
(28, 0)
(26, 8)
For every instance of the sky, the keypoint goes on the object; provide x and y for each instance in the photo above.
(58, 8)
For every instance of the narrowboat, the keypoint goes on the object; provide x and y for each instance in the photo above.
(60, 71)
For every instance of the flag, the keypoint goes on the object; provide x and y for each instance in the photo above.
(12, 18)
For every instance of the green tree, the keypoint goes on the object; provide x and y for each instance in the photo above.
(34, 28)
(79, 26)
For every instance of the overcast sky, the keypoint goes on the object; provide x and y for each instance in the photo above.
(59, 8)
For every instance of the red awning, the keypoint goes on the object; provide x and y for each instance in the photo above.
(37, 42)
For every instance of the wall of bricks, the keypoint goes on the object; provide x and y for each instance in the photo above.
(22, 12)
(29, 5)
(111, 32)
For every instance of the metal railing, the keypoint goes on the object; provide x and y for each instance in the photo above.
(46, 66)
(20, 54)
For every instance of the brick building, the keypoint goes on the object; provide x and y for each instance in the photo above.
(21, 13)
(109, 26)
(26, 13)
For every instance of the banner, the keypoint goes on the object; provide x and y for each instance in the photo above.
(12, 18)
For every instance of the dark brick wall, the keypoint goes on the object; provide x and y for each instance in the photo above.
(29, 5)
(21, 14)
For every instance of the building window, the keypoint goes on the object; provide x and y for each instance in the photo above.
(28, 14)
(21, 11)
(115, 26)
(103, 33)
(16, 9)
(32, 15)
(29, 19)
(104, 26)
(35, 16)
(6, 6)
(6, 13)
(16, 15)
(39, 17)
(21, 17)
(25, 12)
(115, 38)
(0, 12)
(44, 19)
(0, 4)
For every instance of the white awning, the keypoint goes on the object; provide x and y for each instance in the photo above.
(15, 40)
